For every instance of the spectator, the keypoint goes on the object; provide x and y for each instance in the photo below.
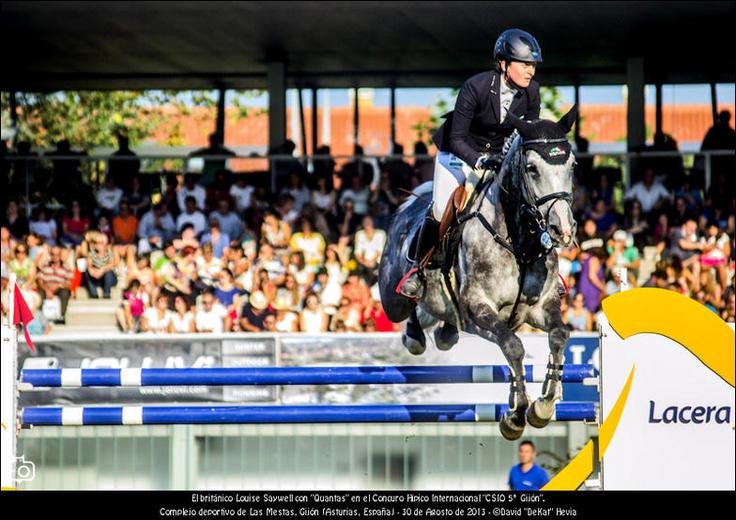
(314, 319)
(191, 215)
(138, 199)
(377, 315)
(208, 266)
(527, 475)
(369, 243)
(254, 312)
(323, 196)
(286, 319)
(324, 164)
(716, 251)
(230, 223)
(275, 232)
(348, 219)
(592, 282)
(169, 277)
(139, 268)
(124, 225)
(8, 244)
(347, 318)
(44, 226)
(578, 317)
(123, 165)
(212, 317)
(218, 190)
(157, 318)
(635, 223)
(182, 319)
(130, 313)
(212, 166)
(720, 137)
(356, 291)
(385, 200)
(190, 189)
(23, 267)
(74, 226)
(101, 263)
(227, 293)
(109, 196)
(219, 241)
(358, 193)
(288, 295)
(155, 227)
(296, 189)
(622, 252)
(605, 219)
(650, 193)
(54, 279)
(242, 193)
(16, 223)
(308, 242)
(687, 247)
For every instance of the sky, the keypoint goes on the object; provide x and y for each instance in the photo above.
(604, 94)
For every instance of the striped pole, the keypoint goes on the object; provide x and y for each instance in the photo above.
(134, 415)
(360, 375)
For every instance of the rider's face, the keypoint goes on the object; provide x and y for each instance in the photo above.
(520, 72)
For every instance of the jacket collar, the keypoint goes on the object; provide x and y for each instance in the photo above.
(496, 95)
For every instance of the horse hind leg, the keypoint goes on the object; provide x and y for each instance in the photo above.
(486, 324)
(542, 410)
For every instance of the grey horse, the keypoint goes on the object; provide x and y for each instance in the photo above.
(505, 271)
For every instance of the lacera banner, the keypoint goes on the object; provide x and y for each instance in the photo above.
(670, 393)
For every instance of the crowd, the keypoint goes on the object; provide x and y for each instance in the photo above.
(221, 252)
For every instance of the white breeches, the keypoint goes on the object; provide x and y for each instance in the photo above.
(449, 173)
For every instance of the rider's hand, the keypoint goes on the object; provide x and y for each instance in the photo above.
(488, 161)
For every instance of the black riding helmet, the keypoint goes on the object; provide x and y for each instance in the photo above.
(517, 45)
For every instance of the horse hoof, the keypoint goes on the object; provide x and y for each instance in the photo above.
(509, 429)
(539, 414)
(414, 346)
(446, 337)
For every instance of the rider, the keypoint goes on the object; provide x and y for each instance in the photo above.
(472, 136)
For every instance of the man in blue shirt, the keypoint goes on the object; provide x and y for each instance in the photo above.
(527, 475)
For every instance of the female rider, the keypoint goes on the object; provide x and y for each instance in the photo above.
(472, 135)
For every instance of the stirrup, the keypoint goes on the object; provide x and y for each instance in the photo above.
(404, 279)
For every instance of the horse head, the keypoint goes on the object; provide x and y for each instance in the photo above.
(540, 165)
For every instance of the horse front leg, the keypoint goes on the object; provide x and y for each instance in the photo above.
(484, 322)
(542, 409)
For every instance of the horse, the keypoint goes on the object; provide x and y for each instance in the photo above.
(504, 271)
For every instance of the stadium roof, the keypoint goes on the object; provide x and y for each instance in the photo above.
(193, 45)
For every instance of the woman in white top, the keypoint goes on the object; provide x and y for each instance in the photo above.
(182, 320)
(313, 319)
(334, 265)
(323, 196)
(157, 318)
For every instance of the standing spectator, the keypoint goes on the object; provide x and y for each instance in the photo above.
(190, 189)
(230, 223)
(369, 243)
(108, 197)
(123, 165)
(155, 227)
(592, 283)
(721, 137)
(527, 475)
(308, 242)
(191, 215)
(124, 225)
(44, 226)
(54, 279)
(212, 166)
(242, 193)
(212, 317)
(157, 318)
(101, 262)
(182, 319)
(74, 226)
(650, 193)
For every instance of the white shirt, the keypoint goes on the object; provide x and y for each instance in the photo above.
(242, 196)
(507, 97)
(647, 197)
(198, 192)
(371, 248)
(109, 199)
(359, 198)
(147, 225)
(156, 324)
(196, 219)
(181, 323)
(211, 320)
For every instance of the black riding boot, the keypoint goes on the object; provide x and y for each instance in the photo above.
(412, 285)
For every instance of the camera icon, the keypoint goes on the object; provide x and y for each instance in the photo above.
(25, 470)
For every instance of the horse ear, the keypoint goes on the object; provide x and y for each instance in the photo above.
(568, 119)
(514, 121)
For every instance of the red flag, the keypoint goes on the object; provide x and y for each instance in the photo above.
(22, 314)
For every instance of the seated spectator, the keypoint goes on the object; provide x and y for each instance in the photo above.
(347, 218)
(230, 223)
(101, 263)
(182, 319)
(267, 261)
(347, 318)
(369, 243)
(54, 279)
(288, 295)
(138, 199)
(191, 215)
(188, 239)
(217, 191)
(124, 225)
(635, 223)
(308, 242)
(74, 225)
(190, 189)
(605, 219)
(219, 241)
(303, 274)
(384, 201)
(716, 251)
(38, 251)
(130, 313)
(109, 196)
(359, 194)
(155, 227)
(254, 312)
(16, 223)
(242, 193)
(323, 197)
(23, 267)
(297, 190)
(44, 226)
(622, 252)
(139, 268)
(104, 226)
(275, 232)
(313, 318)
(680, 213)
(650, 193)
(7, 244)
(213, 316)
(376, 314)
(158, 317)
(168, 276)
(687, 247)
(356, 291)
(286, 210)
(241, 267)
(578, 316)
(227, 293)
(286, 319)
